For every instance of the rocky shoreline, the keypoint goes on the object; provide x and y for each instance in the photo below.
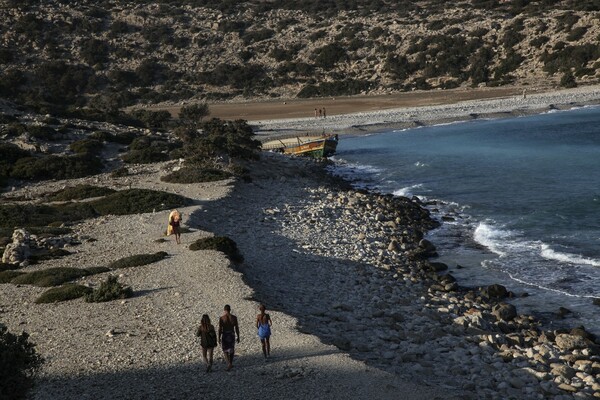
(354, 269)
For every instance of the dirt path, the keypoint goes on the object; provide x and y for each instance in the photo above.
(299, 108)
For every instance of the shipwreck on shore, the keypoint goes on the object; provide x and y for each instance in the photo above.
(310, 145)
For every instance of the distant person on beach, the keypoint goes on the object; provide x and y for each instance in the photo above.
(324, 113)
(228, 332)
(320, 112)
(263, 324)
(316, 113)
(524, 94)
(174, 225)
(208, 340)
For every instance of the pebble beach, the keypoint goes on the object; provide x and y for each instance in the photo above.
(360, 308)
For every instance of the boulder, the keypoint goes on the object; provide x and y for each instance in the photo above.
(504, 312)
(495, 291)
(570, 342)
(19, 250)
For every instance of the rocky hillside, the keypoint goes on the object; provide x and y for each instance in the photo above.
(105, 55)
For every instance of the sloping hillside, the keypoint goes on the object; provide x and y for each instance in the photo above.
(109, 54)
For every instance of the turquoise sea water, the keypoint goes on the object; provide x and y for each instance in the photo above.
(524, 195)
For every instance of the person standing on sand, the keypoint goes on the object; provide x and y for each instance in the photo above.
(174, 225)
(228, 331)
(324, 113)
(316, 113)
(263, 324)
(208, 340)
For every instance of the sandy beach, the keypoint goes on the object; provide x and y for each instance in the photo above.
(354, 316)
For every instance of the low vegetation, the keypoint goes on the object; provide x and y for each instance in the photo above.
(54, 276)
(8, 275)
(69, 291)
(135, 201)
(109, 290)
(138, 260)
(56, 167)
(196, 175)
(79, 192)
(219, 243)
(125, 202)
(18, 364)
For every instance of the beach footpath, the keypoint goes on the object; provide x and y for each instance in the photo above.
(144, 347)
(354, 270)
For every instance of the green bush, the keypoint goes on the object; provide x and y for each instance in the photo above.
(134, 201)
(219, 138)
(329, 55)
(69, 291)
(153, 119)
(109, 290)
(123, 138)
(347, 87)
(148, 155)
(125, 202)
(27, 215)
(56, 167)
(79, 192)
(193, 114)
(219, 243)
(18, 364)
(8, 276)
(86, 146)
(94, 51)
(50, 276)
(568, 80)
(195, 175)
(138, 260)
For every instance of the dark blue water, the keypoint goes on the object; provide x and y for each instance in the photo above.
(523, 193)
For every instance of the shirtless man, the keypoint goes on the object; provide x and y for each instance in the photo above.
(228, 332)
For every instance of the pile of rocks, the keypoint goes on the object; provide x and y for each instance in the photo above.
(392, 306)
(25, 245)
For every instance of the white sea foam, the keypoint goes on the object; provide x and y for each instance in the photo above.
(492, 238)
(421, 164)
(550, 254)
(407, 191)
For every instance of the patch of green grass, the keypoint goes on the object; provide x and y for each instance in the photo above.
(138, 260)
(196, 175)
(109, 290)
(80, 192)
(8, 276)
(55, 276)
(219, 243)
(134, 201)
(69, 291)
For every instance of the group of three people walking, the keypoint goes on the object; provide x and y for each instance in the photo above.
(229, 334)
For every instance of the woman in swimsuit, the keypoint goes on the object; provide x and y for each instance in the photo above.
(263, 324)
(175, 222)
(208, 340)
